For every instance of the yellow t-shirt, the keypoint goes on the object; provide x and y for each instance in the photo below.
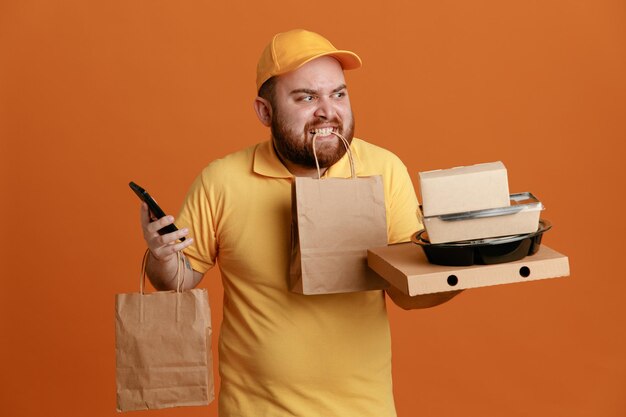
(281, 353)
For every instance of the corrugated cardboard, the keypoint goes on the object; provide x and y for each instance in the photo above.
(405, 267)
(468, 188)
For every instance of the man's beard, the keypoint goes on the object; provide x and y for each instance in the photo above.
(298, 147)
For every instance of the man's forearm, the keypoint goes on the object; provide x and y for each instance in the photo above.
(162, 274)
(419, 301)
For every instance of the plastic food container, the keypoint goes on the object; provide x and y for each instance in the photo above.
(482, 251)
(521, 216)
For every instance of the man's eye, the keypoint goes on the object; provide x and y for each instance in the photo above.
(340, 94)
(306, 98)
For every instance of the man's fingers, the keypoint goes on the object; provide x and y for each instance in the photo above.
(165, 252)
(159, 224)
(182, 245)
(164, 246)
(144, 215)
(169, 238)
(155, 240)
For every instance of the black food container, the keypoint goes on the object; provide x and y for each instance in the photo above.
(483, 251)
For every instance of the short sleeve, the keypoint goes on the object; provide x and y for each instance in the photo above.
(196, 215)
(402, 220)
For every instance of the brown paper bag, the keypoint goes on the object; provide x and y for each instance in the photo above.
(334, 222)
(163, 348)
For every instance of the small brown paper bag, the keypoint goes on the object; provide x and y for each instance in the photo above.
(334, 222)
(163, 348)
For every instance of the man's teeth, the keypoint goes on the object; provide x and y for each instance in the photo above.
(324, 131)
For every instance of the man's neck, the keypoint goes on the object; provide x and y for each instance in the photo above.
(298, 170)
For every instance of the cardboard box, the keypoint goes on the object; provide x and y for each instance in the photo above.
(405, 267)
(468, 188)
(521, 217)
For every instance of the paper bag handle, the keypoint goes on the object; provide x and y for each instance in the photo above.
(348, 151)
(180, 277)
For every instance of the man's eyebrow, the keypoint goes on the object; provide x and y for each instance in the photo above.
(309, 91)
(303, 90)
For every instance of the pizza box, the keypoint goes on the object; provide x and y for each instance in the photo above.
(405, 266)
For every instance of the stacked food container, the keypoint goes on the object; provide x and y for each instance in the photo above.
(470, 217)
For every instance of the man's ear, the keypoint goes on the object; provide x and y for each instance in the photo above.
(263, 110)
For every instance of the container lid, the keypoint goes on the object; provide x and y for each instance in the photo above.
(519, 202)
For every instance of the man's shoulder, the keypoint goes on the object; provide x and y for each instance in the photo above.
(371, 154)
(234, 163)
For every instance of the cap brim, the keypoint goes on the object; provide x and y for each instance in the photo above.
(348, 60)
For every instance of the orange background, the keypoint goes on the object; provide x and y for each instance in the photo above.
(94, 94)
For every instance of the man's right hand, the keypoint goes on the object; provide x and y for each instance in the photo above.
(163, 248)
(162, 264)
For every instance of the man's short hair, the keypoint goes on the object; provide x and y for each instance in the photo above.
(268, 90)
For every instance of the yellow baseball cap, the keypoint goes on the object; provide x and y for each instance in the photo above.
(290, 50)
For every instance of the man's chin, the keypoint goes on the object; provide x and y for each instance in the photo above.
(330, 151)
(328, 159)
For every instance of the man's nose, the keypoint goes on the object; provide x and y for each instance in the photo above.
(325, 109)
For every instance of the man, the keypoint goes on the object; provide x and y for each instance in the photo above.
(281, 353)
